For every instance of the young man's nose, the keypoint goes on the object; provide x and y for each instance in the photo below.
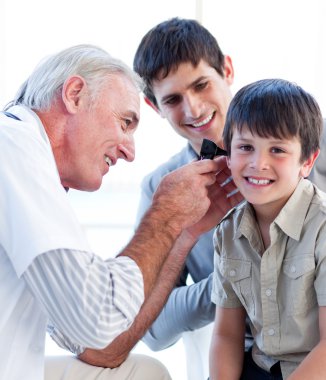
(192, 107)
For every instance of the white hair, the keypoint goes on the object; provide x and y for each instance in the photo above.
(90, 62)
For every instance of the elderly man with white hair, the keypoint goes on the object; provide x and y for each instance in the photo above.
(71, 120)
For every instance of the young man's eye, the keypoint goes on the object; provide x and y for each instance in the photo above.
(173, 100)
(201, 85)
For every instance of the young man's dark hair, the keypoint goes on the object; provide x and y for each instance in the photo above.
(173, 42)
(278, 108)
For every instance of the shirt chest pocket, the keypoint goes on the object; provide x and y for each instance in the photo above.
(299, 277)
(239, 274)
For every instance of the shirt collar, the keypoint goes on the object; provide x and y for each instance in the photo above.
(290, 219)
(191, 152)
(25, 114)
(292, 216)
(248, 226)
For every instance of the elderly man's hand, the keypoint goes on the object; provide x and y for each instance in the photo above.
(223, 195)
(184, 196)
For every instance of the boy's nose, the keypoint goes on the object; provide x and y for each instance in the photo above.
(259, 162)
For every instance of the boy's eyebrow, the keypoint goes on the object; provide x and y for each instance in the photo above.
(272, 140)
(240, 138)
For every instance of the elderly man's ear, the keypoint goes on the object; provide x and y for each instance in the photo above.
(73, 93)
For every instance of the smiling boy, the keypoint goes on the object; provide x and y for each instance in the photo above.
(270, 250)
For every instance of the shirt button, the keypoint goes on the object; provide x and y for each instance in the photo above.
(293, 269)
(268, 292)
(232, 272)
(271, 332)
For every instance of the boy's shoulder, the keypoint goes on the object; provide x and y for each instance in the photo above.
(234, 213)
(320, 199)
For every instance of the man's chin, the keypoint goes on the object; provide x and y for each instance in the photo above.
(87, 185)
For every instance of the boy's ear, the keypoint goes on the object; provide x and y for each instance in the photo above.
(152, 105)
(308, 164)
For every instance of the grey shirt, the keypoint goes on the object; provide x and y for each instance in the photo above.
(282, 287)
(188, 307)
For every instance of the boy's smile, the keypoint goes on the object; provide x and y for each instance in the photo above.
(259, 181)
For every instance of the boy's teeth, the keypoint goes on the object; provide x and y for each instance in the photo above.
(205, 121)
(108, 161)
(259, 181)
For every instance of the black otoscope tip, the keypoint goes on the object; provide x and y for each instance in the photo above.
(210, 150)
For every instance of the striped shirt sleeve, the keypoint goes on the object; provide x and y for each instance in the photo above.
(89, 301)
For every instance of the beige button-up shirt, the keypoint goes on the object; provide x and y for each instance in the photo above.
(282, 286)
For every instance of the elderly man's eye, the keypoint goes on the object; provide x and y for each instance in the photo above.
(126, 123)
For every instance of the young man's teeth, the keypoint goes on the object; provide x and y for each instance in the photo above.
(259, 181)
(205, 121)
(108, 161)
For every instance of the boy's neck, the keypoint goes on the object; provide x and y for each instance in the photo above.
(264, 233)
(265, 217)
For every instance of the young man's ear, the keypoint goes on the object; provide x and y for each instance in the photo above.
(152, 105)
(228, 70)
(308, 164)
(73, 90)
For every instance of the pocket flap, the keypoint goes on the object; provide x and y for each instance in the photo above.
(295, 267)
(235, 270)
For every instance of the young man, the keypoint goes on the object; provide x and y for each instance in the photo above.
(187, 81)
(72, 119)
(270, 251)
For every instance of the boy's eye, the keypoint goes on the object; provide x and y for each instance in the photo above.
(246, 148)
(277, 150)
